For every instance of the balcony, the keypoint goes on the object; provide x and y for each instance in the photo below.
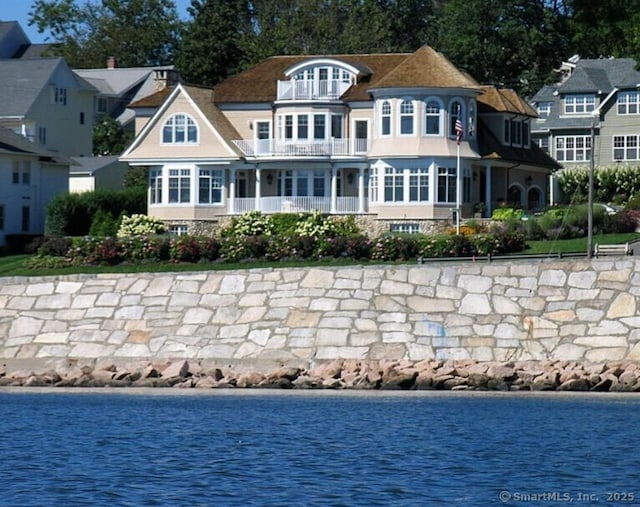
(322, 89)
(302, 148)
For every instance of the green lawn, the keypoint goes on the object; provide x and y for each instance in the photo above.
(14, 265)
(577, 245)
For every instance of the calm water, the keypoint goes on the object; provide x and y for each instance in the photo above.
(326, 449)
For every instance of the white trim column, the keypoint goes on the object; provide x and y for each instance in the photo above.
(361, 182)
(232, 190)
(334, 189)
(258, 188)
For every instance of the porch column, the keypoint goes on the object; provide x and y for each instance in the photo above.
(232, 190)
(360, 190)
(258, 188)
(334, 189)
(488, 195)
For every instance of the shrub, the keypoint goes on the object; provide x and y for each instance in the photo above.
(486, 244)
(140, 225)
(145, 248)
(392, 247)
(507, 214)
(623, 221)
(103, 224)
(98, 251)
(185, 249)
(55, 246)
(315, 225)
(251, 223)
(233, 249)
(209, 249)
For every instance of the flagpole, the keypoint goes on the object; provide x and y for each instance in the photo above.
(458, 190)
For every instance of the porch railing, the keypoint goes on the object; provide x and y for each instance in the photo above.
(297, 148)
(311, 89)
(303, 204)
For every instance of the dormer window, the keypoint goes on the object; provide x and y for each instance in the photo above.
(180, 129)
(317, 79)
(60, 96)
(544, 110)
(579, 104)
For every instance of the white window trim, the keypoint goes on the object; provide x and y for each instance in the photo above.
(223, 187)
(382, 116)
(584, 102)
(636, 103)
(186, 142)
(463, 116)
(625, 148)
(441, 115)
(574, 149)
(400, 116)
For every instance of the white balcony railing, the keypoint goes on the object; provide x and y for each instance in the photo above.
(320, 89)
(302, 148)
(291, 204)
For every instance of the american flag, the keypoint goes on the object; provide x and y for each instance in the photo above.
(459, 131)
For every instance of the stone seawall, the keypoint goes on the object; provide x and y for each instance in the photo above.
(561, 310)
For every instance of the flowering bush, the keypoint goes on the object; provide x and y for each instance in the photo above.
(91, 250)
(141, 248)
(251, 223)
(185, 249)
(140, 225)
(394, 247)
(316, 225)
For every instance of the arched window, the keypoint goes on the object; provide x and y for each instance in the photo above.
(180, 129)
(455, 114)
(406, 117)
(514, 195)
(385, 125)
(471, 121)
(432, 118)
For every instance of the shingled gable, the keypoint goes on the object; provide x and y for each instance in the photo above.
(426, 68)
(503, 100)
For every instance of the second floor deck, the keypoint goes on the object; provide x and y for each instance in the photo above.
(345, 147)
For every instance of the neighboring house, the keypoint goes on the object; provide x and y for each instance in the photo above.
(381, 136)
(93, 173)
(14, 43)
(43, 100)
(118, 87)
(596, 97)
(30, 177)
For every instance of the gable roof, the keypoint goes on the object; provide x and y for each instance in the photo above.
(12, 143)
(503, 100)
(424, 68)
(601, 76)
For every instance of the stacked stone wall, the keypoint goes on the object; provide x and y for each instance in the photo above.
(567, 310)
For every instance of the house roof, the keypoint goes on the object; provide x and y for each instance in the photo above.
(22, 80)
(154, 100)
(12, 143)
(93, 164)
(601, 76)
(118, 81)
(424, 68)
(503, 100)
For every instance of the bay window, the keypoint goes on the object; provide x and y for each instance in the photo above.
(210, 186)
(179, 185)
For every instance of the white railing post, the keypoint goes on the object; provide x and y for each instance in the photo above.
(334, 189)
(360, 190)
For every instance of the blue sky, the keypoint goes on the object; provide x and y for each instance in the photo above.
(18, 10)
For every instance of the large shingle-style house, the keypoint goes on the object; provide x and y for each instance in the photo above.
(372, 134)
(30, 177)
(602, 94)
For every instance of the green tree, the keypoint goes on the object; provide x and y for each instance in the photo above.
(213, 43)
(137, 32)
(109, 137)
(516, 43)
(136, 176)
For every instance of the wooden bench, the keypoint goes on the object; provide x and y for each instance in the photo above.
(619, 249)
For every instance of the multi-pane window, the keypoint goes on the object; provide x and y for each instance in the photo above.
(319, 187)
(579, 104)
(179, 185)
(543, 143)
(544, 110)
(373, 185)
(180, 129)
(336, 126)
(60, 96)
(288, 126)
(573, 148)
(447, 184)
(303, 126)
(319, 121)
(455, 114)
(405, 228)
(516, 132)
(21, 172)
(629, 103)
(625, 148)
(302, 182)
(432, 118)
(101, 105)
(42, 135)
(385, 127)
(418, 185)
(210, 186)
(155, 186)
(406, 117)
(178, 230)
(393, 184)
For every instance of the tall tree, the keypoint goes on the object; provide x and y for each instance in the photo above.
(136, 32)
(605, 28)
(214, 41)
(516, 43)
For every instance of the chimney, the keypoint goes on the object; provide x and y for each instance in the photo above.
(112, 63)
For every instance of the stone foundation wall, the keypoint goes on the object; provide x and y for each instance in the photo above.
(568, 310)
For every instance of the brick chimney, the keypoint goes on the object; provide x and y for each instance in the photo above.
(112, 63)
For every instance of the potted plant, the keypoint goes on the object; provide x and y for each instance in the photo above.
(478, 209)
